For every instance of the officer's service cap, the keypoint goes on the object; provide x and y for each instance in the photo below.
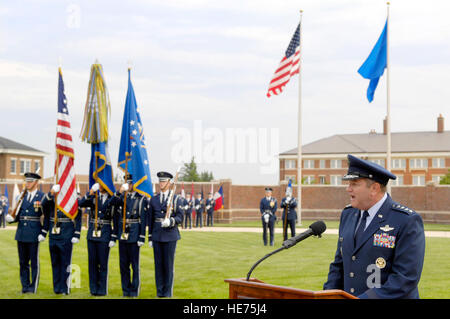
(268, 189)
(129, 178)
(31, 177)
(359, 168)
(164, 176)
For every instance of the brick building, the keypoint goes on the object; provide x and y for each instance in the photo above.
(417, 157)
(16, 159)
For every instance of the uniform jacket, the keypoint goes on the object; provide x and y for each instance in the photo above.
(292, 214)
(268, 206)
(199, 203)
(104, 217)
(68, 228)
(190, 205)
(211, 202)
(157, 212)
(135, 219)
(392, 250)
(28, 216)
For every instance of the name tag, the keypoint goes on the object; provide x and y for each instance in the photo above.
(384, 240)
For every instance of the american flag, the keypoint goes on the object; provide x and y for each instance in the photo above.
(67, 196)
(289, 66)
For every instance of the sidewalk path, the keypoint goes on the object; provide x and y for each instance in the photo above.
(332, 231)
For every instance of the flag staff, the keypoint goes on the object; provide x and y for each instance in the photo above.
(299, 136)
(388, 103)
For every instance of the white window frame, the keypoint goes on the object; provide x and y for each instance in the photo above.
(13, 159)
(436, 178)
(322, 164)
(414, 180)
(418, 163)
(399, 181)
(289, 164)
(38, 162)
(335, 180)
(309, 179)
(398, 163)
(438, 162)
(308, 164)
(322, 179)
(336, 163)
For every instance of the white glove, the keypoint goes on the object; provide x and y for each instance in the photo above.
(208, 207)
(124, 187)
(75, 240)
(186, 206)
(111, 244)
(41, 238)
(197, 207)
(288, 199)
(9, 218)
(266, 218)
(165, 223)
(56, 188)
(140, 243)
(95, 187)
(150, 244)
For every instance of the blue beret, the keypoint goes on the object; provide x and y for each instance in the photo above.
(359, 168)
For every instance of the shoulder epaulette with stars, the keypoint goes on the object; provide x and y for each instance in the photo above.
(402, 208)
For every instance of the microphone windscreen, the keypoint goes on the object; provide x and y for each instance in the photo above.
(318, 227)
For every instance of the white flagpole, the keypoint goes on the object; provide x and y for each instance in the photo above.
(388, 103)
(299, 136)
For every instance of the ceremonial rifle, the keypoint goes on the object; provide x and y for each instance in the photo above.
(19, 203)
(172, 193)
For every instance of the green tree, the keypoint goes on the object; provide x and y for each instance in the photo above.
(445, 180)
(189, 173)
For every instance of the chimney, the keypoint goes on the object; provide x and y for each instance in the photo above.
(440, 124)
(385, 126)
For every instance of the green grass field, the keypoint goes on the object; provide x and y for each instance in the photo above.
(204, 259)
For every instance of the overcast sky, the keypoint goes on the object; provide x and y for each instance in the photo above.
(201, 69)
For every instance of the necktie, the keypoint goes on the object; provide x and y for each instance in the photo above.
(362, 225)
(163, 198)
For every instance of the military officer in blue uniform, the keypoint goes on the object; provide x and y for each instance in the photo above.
(188, 205)
(164, 234)
(381, 244)
(209, 206)
(199, 207)
(100, 237)
(131, 234)
(268, 208)
(289, 204)
(29, 232)
(63, 234)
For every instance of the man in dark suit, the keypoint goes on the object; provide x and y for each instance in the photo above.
(29, 232)
(164, 233)
(381, 244)
(268, 208)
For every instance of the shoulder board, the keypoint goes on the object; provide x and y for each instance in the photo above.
(401, 208)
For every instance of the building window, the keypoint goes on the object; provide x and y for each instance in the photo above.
(398, 181)
(290, 177)
(438, 162)
(398, 163)
(37, 165)
(25, 166)
(289, 164)
(13, 169)
(437, 178)
(378, 161)
(308, 180)
(322, 180)
(336, 163)
(336, 180)
(419, 180)
(308, 164)
(322, 163)
(418, 163)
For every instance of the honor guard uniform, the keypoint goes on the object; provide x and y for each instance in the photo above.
(188, 205)
(268, 208)
(63, 234)
(164, 234)
(100, 238)
(210, 202)
(198, 205)
(29, 232)
(381, 244)
(130, 233)
(289, 204)
(3, 210)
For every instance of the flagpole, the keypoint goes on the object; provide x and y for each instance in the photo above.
(299, 128)
(388, 103)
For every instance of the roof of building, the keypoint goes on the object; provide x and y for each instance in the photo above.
(407, 142)
(7, 144)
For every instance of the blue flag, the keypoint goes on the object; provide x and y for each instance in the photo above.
(289, 188)
(133, 148)
(100, 169)
(7, 202)
(373, 67)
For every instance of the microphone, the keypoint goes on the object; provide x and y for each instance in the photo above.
(316, 229)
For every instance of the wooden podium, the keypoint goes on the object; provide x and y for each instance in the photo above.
(256, 289)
